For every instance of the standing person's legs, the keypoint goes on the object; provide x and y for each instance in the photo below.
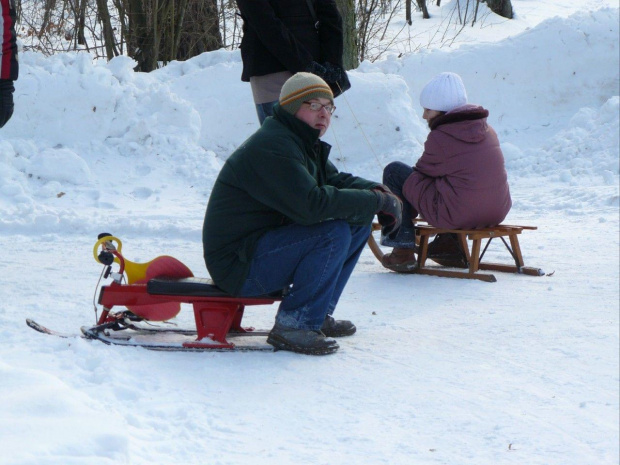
(263, 110)
(6, 101)
(394, 176)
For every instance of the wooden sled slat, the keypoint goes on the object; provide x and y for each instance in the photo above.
(474, 252)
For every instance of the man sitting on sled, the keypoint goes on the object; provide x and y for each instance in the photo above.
(280, 214)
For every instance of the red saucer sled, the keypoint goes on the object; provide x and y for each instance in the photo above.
(153, 292)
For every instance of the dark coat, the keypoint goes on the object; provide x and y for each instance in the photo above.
(280, 35)
(279, 176)
(460, 180)
(9, 68)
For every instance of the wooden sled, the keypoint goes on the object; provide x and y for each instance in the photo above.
(474, 254)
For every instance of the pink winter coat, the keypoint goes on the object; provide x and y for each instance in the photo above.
(460, 181)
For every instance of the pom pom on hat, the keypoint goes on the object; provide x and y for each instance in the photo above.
(302, 87)
(444, 92)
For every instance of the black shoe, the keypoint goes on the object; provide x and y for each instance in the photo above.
(446, 250)
(303, 341)
(337, 328)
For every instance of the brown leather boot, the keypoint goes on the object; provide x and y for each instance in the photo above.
(400, 260)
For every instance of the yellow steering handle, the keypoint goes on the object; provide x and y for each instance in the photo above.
(119, 246)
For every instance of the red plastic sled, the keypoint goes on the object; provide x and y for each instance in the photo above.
(154, 291)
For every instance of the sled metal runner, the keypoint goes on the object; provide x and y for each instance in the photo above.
(142, 294)
(156, 338)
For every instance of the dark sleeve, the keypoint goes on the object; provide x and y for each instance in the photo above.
(345, 180)
(275, 36)
(330, 32)
(9, 68)
(283, 183)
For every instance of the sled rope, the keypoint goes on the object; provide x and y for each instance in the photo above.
(359, 125)
(344, 165)
(95, 295)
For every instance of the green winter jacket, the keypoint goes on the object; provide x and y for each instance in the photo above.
(279, 176)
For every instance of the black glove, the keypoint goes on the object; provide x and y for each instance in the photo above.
(6, 100)
(316, 68)
(333, 73)
(389, 211)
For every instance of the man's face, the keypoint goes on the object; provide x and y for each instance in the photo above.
(317, 119)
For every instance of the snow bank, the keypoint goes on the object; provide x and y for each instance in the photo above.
(584, 153)
(531, 83)
(88, 139)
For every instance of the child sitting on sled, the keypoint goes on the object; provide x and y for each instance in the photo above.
(459, 182)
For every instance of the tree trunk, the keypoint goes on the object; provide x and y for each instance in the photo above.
(423, 9)
(351, 46)
(200, 29)
(81, 22)
(108, 33)
(140, 38)
(501, 7)
(154, 30)
(48, 7)
(408, 12)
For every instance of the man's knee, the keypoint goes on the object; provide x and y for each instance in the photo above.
(363, 231)
(339, 229)
(336, 234)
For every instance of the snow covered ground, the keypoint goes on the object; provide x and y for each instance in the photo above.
(521, 371)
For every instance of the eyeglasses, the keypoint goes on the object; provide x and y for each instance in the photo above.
(316, 106)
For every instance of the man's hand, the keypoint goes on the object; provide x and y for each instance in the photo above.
(389, 211)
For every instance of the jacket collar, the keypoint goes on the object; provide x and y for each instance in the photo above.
(308, 135)
(468, 113)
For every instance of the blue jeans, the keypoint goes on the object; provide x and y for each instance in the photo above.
(263, 110)
(394, 176)
(317, 260)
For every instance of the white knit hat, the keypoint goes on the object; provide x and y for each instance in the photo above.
(444, 92)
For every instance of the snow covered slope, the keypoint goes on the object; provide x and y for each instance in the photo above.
(522, 371)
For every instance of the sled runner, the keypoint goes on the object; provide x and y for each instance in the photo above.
(153, 292)
(473, 254)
